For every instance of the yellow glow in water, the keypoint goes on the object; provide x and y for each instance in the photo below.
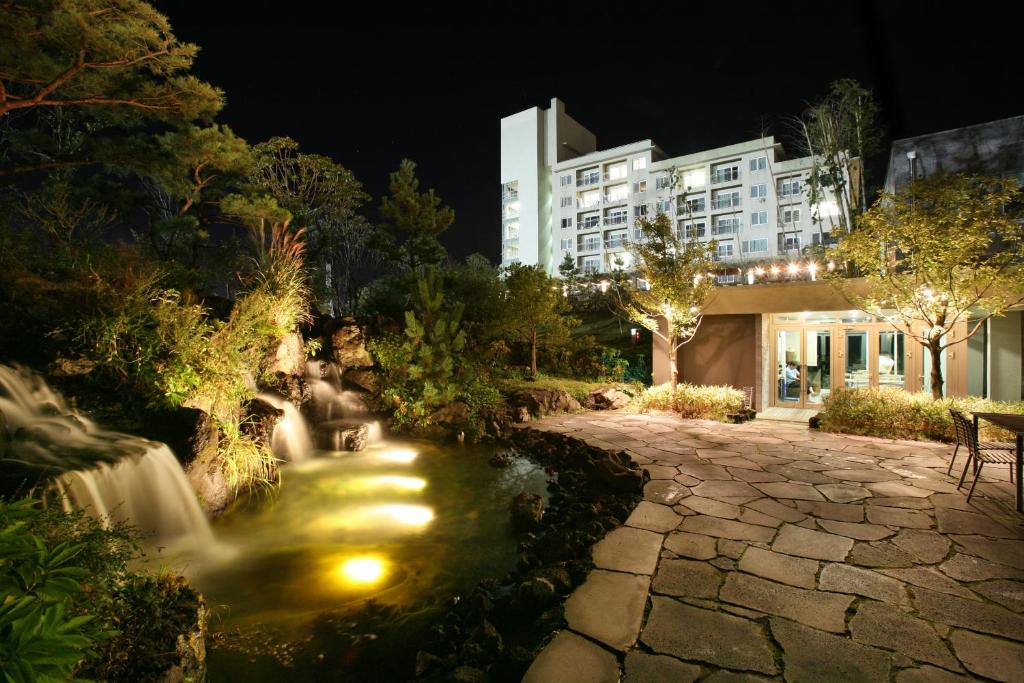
(399, 455)
(361, 571)
(413, 515)
(382, 517)
(405, 483)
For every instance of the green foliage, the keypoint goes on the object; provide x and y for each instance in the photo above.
(536, 311)
(898, 414)
(412, 220)
(577, 388)
(691, 401)
(944, 250)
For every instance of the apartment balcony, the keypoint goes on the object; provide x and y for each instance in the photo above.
(607, 177)
(509, 196)
(718, 258)
(589, 246)
(585, 204)
(683, 209)
(589, 224)
(618, 219)
(726, 175)
(615, 243)
(726, 229)
(612, 199)
(588, 180)
(591, 268)
(726, 203)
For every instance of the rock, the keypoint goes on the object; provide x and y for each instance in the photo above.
(362, 379)
(342, 436)
(468, 674)
(540, 402)
(609, 593)
(206, 472)
(825, 611)
(843, 578)
(262, 418)
(288, 357)
(538, 591)
(455, 415)
(71, 367)
(500, 460)
(619, 474)
(348, 345)
(796, 571)
(879, 624)
(527, 510)
(990, 657)
(644, 668)
(606, 399)
(803, 650)
(426, 662)
(569, 657)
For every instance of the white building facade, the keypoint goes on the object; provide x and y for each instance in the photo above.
(573, 199)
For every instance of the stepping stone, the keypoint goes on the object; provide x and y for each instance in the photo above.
(881, 625)
(628, 550)
(990, 657)
(932, 579)
(959, 522)
(970, 568)
(929, 674)
(927, 546)
(826, 611)
(863, 475)
(661, 471)
(722, 676)
(861, 532)
(794, 540)
(1006, 552)
(774, 508)
(715, 508)
(882, 554)
(725, 489)
(644, 668)
(977, 616)
(843, 493)
(705, 472)
(895, 489)
(889, 516)
(604, 593)
(653, 517)
(812, 656)
(686, 480)
(790, 490)
(842, 578)
(697, 546)
(727, 528)
(664, 491)
(754, 475)
(901, 502)
(703, 635)
(732, 549)
(778, 567)
(1009, 594)
(759, 518)
(840, 512)
(686, 579)
(570, 657)
(800, 474)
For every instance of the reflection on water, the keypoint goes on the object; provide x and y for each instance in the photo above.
(403, 523)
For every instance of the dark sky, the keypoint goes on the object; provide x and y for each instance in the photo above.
(370, 87)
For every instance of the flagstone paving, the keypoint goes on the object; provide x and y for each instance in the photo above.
(766, 551)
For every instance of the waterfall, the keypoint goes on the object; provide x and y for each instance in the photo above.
(335, 408)
(291, 440)
(109, 475)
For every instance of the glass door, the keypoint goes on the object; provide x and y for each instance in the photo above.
(789, 384)
(891, 359)
(817, 367)
(857, 374)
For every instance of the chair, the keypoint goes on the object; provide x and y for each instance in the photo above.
(961, 425)
(978, 452)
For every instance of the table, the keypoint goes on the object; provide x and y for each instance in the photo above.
(1015, 424)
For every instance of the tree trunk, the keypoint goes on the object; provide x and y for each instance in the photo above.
(673, 364)
(936, 375)
(533, 354)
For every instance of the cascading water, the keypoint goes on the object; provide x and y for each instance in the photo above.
(290, 440)
(112, 476)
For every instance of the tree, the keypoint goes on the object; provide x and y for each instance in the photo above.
(942, 251)
(839, 133)
(674, 286)
(413, 219)
(536, 311)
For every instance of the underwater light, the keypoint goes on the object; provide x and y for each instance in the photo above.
(413, 515)
(399, 455)
(406, 483)
(361, 571)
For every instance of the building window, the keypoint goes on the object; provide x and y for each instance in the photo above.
(590, 177)
(590, 198)
(566, 201)
(828, 209)
(790, 216)
(729, 279)
(695, 205)
(754, 246)
(511, 231)
(789, 242)
(824, 238)
(759, 218)
(759, 190)
(510, 191)
(662, 182)
(615, 171)
(723, 251)
(725, 173)
(590, 265)
(725, 200)
(695, 230)
(512, 210)
(663, 205)
(759, 163)
(640, 211)
(567, 180)
(617, 217)
(614, 240)
(589, 221)
(639, 164)
(566, 244)
(567, 222)
(640, 187)
(511, 252)
(694, 178)
(789, 187)
(638, 234)
(725, 225)
(589, 243)
(618, 193)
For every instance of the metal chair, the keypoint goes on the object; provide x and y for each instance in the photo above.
(961, 426)
(976, 454)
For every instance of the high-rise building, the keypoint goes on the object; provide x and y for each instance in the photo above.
(560, 195)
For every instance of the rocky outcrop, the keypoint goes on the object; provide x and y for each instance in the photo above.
(366, 380)
(206, 473)
(606, 399)
(540, 402)
(527, 510)
(348, 345)
(342, 436)
(288, 357)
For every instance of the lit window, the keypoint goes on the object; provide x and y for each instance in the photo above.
(591, 198)
(512, 210)
(694, 178)
(639, 164)
(618, 193)
(640, 186)
(511, 231)
(617, 171)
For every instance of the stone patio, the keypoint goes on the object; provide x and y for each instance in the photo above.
(766, 551)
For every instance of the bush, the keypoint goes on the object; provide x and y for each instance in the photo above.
(898, 414)
(577, 388)
(694, 402)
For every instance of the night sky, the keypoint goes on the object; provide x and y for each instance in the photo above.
(368, 88)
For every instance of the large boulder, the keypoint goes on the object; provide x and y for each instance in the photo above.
(606, 399)
(540, 402)
(343, 436)
(288, 357)
(348, 345)
(365, 380)
(527, 510)
(206, 472)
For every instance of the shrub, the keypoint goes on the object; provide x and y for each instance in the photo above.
(694, 402)
(577, 388)
(898, 414)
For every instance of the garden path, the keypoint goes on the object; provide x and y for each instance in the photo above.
(765, 551)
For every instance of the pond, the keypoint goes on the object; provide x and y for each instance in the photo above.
(353, 552)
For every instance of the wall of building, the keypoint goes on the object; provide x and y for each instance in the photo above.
(726, 351)
(1005, 357)
(522, 160)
